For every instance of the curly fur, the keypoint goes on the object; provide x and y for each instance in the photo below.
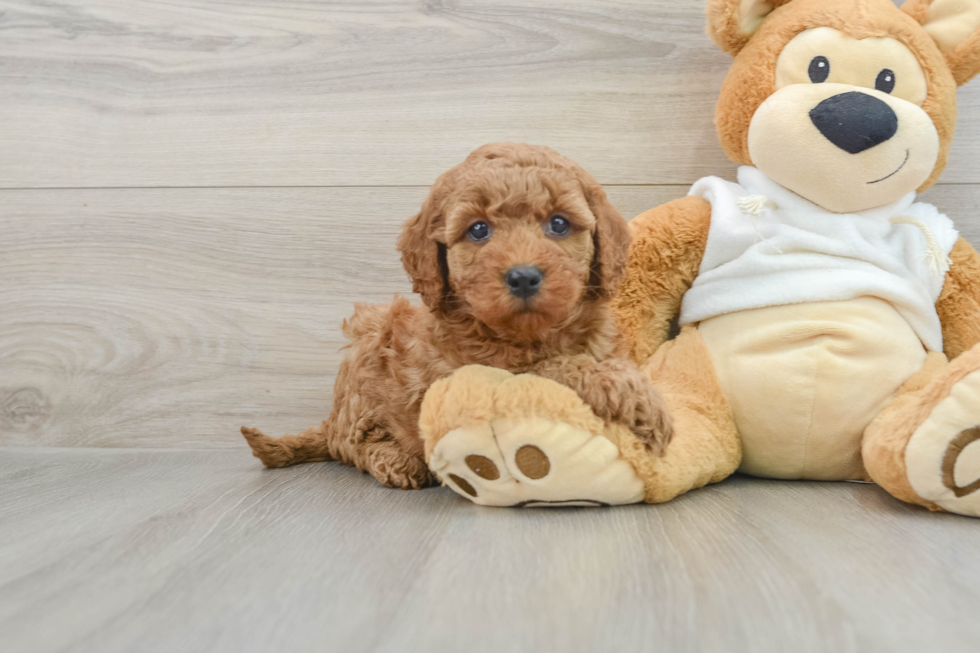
(566, 332)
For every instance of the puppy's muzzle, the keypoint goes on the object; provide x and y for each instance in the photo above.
(524, 281)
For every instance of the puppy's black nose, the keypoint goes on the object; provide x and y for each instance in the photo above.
(524, 280)
(855, 121)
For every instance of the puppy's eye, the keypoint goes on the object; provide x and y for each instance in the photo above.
(819, 70)
(478, 231)
(558, 226)
(886, 81)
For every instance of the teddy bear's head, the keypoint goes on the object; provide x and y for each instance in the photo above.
(848, 103)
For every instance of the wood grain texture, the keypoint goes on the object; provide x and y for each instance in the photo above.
(112, 550)
(169, 318)
(97, 93)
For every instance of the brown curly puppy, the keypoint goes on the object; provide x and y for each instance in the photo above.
(516, 253)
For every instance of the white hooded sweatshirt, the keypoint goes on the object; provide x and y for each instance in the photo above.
(768, 246)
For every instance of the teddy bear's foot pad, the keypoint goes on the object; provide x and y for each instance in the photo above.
(943, 455)
(533, 455)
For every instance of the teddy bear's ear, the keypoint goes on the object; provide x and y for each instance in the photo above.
(955, 26)
(731, 23)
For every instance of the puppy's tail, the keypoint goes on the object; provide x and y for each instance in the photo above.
(310, 446)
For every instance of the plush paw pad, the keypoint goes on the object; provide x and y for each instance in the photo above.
(961, 464)
(535, 444)
(943, 455)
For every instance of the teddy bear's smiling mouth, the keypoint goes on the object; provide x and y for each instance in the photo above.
(907, 154)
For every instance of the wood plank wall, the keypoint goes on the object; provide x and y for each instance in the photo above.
(194, 194)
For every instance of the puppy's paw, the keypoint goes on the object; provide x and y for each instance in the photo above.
(395, 469)
(620, 393)
(650, 420)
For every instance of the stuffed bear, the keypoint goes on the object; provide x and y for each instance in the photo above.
(828, 322)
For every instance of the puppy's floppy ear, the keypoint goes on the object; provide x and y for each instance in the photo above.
(611, 242)
(955, 26)
(731, 23)
(424, 253)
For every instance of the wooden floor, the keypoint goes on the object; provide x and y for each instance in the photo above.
(119, 550)
(193, 194)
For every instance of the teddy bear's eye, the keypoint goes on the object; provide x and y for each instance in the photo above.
(819, 70)
(886, 81)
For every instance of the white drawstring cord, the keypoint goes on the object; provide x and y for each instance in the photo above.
(937, 259)
(754, 206)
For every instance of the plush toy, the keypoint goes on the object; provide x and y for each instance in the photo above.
(829, 321)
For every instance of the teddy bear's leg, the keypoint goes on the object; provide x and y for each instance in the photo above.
(924, 447)
(705, 447)
(503, 440)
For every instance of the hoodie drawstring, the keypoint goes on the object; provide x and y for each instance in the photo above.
(935, 256)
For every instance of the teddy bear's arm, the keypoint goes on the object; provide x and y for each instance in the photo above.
(668, 244)
(959, 303)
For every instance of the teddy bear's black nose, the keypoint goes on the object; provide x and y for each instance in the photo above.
(855, 121)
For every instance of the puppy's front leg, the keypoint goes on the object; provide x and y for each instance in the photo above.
(616, 391)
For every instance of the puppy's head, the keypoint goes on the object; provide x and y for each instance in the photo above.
(519, 238)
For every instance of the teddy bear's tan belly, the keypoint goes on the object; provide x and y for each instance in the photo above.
(805, 381)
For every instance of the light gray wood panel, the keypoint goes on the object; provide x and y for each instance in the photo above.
(168, 318)
(110, 550)
(373, 92)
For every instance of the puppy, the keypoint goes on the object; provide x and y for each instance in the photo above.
(516, 253)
